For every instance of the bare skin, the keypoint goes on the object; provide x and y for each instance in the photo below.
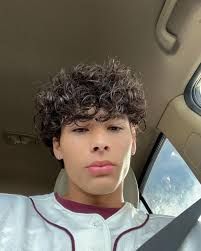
(113, 140)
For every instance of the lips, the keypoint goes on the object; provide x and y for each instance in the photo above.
(101, 163)
(98, 168)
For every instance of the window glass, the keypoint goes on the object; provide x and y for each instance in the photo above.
(171, 187)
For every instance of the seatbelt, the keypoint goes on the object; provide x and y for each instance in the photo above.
(172, 236)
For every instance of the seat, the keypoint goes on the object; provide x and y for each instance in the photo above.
(131, 192)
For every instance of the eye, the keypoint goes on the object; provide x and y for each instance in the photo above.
(115, 128)
(80, 130)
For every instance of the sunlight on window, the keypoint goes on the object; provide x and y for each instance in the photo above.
(171, 186)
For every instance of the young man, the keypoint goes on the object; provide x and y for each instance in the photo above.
(88, 118)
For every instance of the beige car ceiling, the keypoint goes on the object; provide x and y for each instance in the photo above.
(37, 38)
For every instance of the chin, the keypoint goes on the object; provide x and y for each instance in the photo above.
(102, 189)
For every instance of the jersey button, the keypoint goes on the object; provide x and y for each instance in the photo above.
(96, 224)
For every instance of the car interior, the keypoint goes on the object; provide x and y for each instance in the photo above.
(159, 39)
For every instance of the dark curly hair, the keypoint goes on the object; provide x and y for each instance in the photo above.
(68, 96)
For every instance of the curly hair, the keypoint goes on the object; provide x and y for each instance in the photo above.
(67, 97)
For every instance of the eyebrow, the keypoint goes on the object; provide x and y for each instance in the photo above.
(118, 117)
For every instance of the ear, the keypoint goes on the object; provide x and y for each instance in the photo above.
(133, 148)
(57, 148)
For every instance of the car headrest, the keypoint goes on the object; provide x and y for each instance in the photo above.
(131, 193)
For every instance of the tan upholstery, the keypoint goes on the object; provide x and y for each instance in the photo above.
(131, 193)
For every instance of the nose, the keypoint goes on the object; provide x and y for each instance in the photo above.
(100, 148)
(100, 143)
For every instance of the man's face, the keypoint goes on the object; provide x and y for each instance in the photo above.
(79, 146)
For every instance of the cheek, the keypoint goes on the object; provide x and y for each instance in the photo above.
(73, 167)
(74, 145)
(71, 146)
(123, 144)
(123, 149)
(73, 152)
(71, 158)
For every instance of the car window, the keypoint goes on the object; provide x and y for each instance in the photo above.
(170, 187)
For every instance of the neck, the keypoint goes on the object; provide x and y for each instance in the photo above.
(111, 200)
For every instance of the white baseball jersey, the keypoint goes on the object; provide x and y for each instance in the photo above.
(41, 223)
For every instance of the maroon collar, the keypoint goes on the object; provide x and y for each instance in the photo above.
(83, 208)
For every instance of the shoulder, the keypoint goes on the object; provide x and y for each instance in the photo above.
(153, 221)
(17, 202)
(6, 197)
(157, 222)
(12, 208)
(15, 206)
(161, 221)
(11, 199)
(156, 218)
(42, 197)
